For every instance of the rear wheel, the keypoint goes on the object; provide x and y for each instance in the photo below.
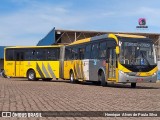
(133, 85)
(101, 78)
(31, 75)
(3, 74)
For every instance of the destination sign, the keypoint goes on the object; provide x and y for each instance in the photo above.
(137, 44)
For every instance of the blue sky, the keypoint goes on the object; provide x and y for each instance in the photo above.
(25, 22)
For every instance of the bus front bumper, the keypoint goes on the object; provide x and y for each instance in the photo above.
(125, 78)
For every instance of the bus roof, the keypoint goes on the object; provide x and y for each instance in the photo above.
(36, 46)
(106, 36)
(130, 36)
(81, 41)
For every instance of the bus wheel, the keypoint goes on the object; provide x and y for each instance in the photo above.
(47, 79)
(72, 77)
(133, 85)
(3, 74)
(101, 78)
(31, 75)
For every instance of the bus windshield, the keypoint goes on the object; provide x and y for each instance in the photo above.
(137, 53)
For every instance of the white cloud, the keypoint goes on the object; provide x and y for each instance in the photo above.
(36, 21)
(30, 24)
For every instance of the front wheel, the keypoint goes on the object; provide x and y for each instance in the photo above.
(31, 75)
(133, 85)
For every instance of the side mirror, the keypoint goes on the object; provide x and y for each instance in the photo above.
(117, 50)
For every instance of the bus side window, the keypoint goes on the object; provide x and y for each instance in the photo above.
(28, 54)
(70, 54)
(67, 53)
(75, 53)
(41, 54)
(52, 54)
(81, 53)
(94, 51)
(33, 55)
(9, 55)
(87, 52)
(102, 50)
(16, 55)
(19, 55)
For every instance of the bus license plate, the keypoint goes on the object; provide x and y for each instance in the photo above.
(139, 79)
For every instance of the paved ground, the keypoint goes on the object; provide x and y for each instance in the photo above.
(24, 95)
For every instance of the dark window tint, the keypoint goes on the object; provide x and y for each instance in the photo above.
(68, 53)
(33, 54)
(102, 50)
(94, 51)
(9, 54)
(28, 54)
(52, 54)
(75, 53)
(87, 52)
(19, 55)
(40, 54)
(111, 44)
(81, 53)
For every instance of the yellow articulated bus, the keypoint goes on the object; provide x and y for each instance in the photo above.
(37, 62)
(106, 58)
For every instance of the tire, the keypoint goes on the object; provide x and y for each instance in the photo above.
(72, 80)
(3, 74)
(31, 75)
(133, 85)
(101, 78)
(47, 79)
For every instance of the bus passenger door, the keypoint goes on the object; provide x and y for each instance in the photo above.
(111, 65)
(19, 64)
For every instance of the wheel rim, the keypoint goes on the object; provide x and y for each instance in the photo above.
(31, 75)
(71, 78)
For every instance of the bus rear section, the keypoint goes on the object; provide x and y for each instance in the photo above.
(33, 62)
